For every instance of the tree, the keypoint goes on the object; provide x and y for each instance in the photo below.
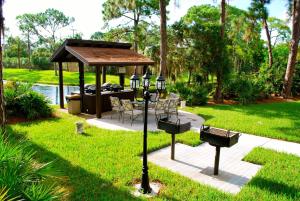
(133, 10)
(2, 104)
(44, 26)
(258, 11)
(218, 94)
(15, 47)
(97, 35)
(279, 31)
(290, 69)
(163, 37)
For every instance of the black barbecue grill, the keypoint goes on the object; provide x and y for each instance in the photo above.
(218, 138)
(173, 128)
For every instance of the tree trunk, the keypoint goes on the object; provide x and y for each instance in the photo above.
(218, 94)
(135, 44)
(189, 77)
(29, 51)
(265, 24)
(163, 37)
(290, 69)
(2, 103)
(19, 55)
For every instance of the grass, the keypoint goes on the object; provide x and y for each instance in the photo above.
(103, 164)
(48, 77)
(274, 120)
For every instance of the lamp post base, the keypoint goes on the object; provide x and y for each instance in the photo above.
(154, 186)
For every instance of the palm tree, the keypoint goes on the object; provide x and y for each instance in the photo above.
(290, 69)
(2, 107)
(259, 11)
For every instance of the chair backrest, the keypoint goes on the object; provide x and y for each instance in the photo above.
(172, 104)
(153, 97)
(173, 95)
(160, 105)
(127, 105)
(115, 102)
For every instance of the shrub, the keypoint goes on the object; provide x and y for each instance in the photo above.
(194, 95)
(245, 89)
(22, 178)
(22, 101)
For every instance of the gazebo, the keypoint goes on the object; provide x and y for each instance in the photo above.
(99, 54)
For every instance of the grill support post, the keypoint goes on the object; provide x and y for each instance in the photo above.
(173, 147)
(217, 160)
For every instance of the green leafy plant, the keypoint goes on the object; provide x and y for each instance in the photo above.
(21, 100)
(21, 177)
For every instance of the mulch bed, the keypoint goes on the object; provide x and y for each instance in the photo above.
(272, 99)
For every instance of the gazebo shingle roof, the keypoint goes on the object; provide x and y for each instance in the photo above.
(99, 53)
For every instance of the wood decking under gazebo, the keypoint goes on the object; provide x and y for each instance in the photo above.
(99, 54)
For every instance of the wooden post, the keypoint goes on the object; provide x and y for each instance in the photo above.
(81, 84)
(145, 69)
(98, 92)
(103, 74)
(61, 85)
(122, 79)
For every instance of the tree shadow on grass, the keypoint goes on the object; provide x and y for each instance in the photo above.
(276, 188)
(80, 184)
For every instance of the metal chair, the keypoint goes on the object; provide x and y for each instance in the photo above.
(129, 110)
(116, 106)
(172, 107)
(160, 109)
(153, 99)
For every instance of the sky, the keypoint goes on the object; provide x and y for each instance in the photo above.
(88, 13)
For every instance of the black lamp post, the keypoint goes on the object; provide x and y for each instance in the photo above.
(160, 86)
(145, 186)
(160, 83)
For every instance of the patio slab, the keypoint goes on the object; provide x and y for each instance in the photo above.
(114, 124)
(197, 163)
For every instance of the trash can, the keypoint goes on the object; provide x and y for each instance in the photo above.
(73, 103)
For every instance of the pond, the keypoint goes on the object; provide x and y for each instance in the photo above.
(52, 91)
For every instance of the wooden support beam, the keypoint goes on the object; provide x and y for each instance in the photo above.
(61, 85)
(98, 92)
(81, 84)
(145, 69)
(122, 79)
(103, 74)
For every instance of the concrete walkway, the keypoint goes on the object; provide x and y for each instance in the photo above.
(197, 163)
(112, 122)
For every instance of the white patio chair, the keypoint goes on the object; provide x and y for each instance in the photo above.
(129, 110)
(116, 106)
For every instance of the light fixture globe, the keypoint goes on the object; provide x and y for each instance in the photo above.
(134, 82)
(146, 80)
(160, 83)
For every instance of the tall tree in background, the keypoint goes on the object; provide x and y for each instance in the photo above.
(44, 26)
(2, 106)
(259, 11)
(15, 47)
(133, 10)
(163, 36)
(220, 74)
(290, 69)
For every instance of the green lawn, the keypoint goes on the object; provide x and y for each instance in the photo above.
(103, 164)
(48, 77)
(274, 120)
